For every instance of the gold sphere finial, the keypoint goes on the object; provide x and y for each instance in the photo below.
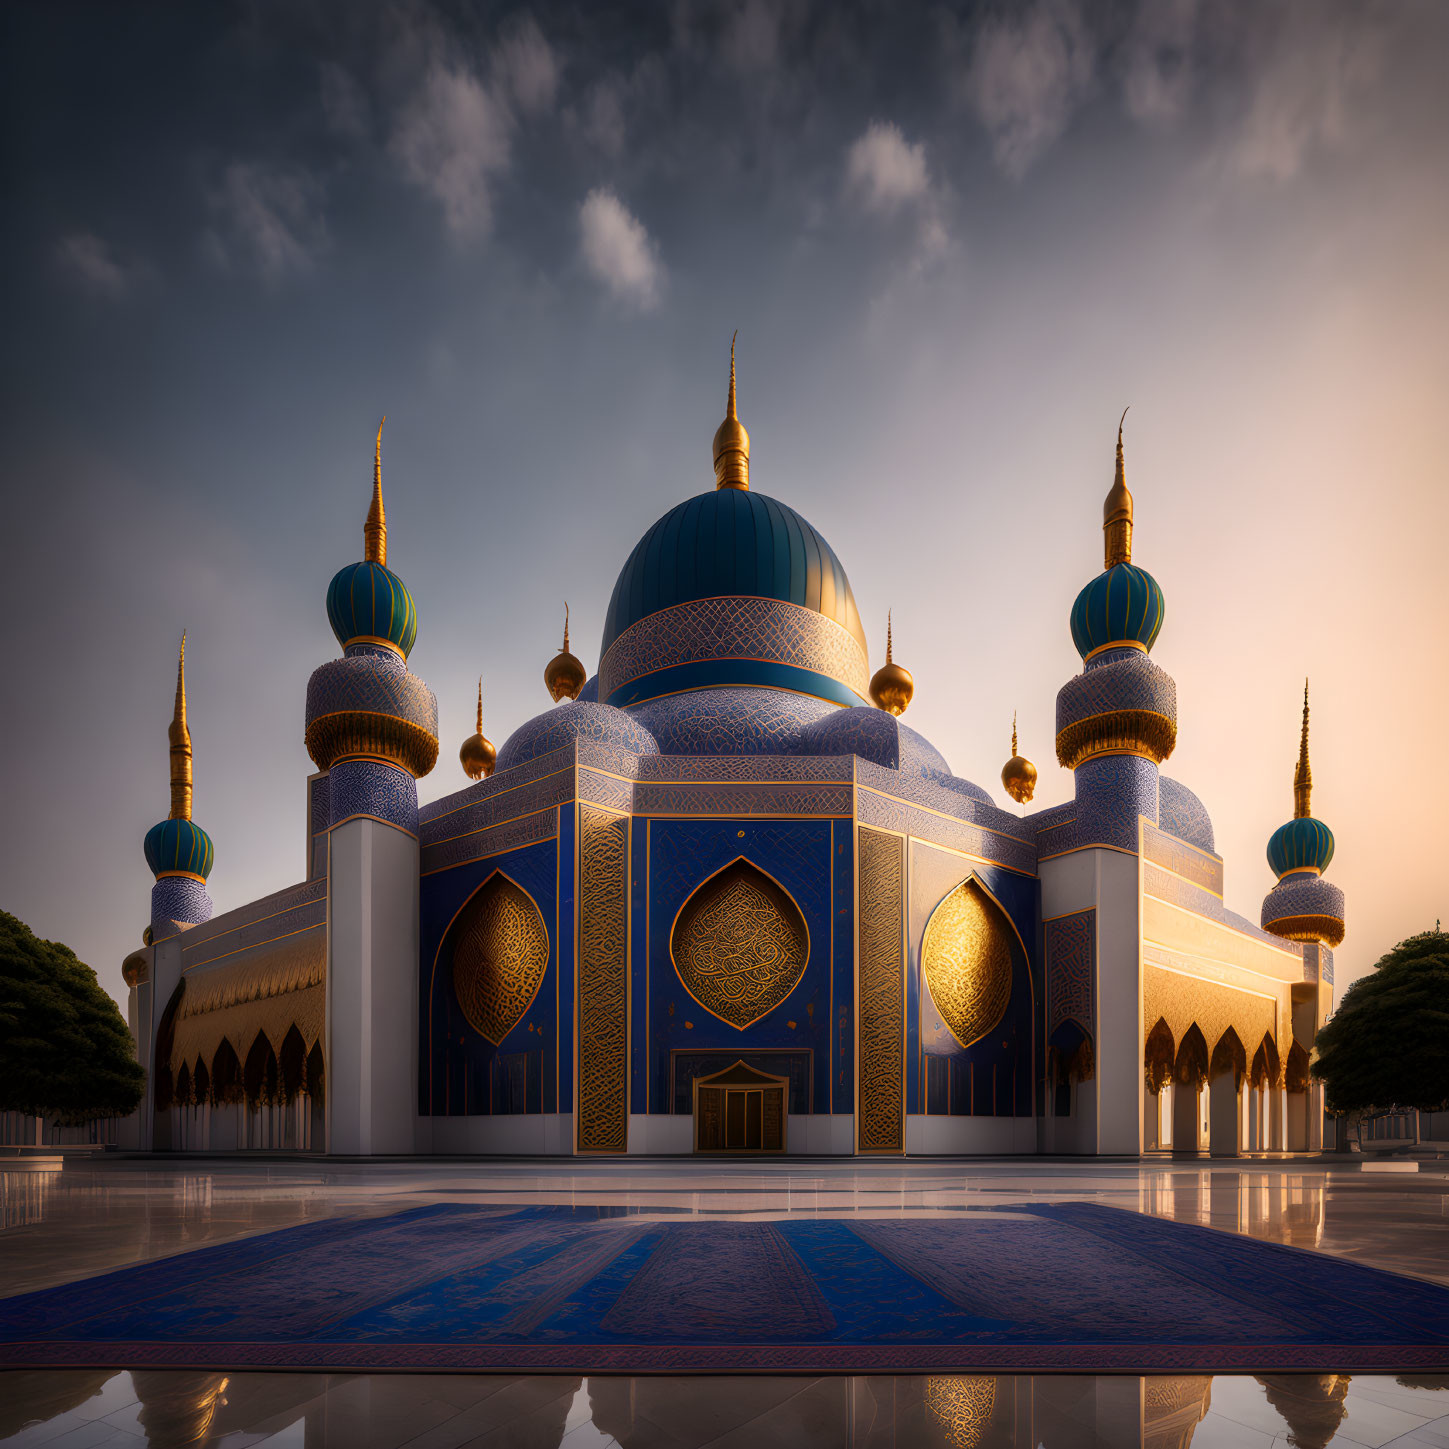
(179, 736)
(731, 441)
(891, 686)
(564, 674)
(478, 754)
(1018, 774)
(1117, 510)
(1303, 775)
(374, 531)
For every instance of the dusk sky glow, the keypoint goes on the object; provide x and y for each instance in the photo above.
(955, 242)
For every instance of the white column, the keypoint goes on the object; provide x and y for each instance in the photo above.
(372, 994)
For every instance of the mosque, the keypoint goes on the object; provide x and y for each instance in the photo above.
(720, 898)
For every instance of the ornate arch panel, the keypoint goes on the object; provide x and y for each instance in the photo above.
(740, 944)
(966, 960)
(501, 957)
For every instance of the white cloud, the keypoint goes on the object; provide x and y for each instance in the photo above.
(1305, 92)
(525, 67)
(618, 251)
(343, 103)
(269, 220)
(452, 140)
(1027, 75)
(884, 170)
(87, 259)
(1158, 80)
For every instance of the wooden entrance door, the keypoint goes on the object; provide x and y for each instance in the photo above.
(740, 1110)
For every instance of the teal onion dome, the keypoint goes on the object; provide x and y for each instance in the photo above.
(179, 847)
(1122, 607)
(368, 603)
(1301, 844)
(732, 588)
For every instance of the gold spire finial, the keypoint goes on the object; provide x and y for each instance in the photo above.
(374, 531)
(731, 441)
(1303, 775)
(564, 675)
(892, 686)
(1018, 775)
(180, 737)
(1117, 510)
(478, 755)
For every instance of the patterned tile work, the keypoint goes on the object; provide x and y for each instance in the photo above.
(717, 769)
(600, 789)
(612, 758)
(369, 787)
(1171, 852)
(500, 782)
(492, 839)
(519, 796)
(874, 808)
(734, 721)
(1112, 792)
(734, 627)
(371, 684)
(1071, 966)
(1182, 814)
(881, 1041)
(950, 796)
(1182, 1001)
(1133, 682)
(576, 720)
(602, 1117)
(261, 913)
(860, 730)
(319, 815)
(1303, 895)
(1164, 886)
(742, 799)
(175, 898)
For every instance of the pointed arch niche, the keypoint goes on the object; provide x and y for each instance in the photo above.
(966, 961)
(500, 958)
(740, 944)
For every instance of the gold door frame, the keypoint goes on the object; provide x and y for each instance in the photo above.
(766, 1082)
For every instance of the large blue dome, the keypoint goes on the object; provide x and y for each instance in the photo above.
(732, 588)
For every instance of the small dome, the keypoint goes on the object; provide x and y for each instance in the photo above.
(732, 721)
(724, 561)
(1181, 813)
(179, 847)
(368, 603)
(892, 687)
(477, 756)
(1123, 606)
(577, 720)
(1018, 775)
(1301, 844)
(564, 675)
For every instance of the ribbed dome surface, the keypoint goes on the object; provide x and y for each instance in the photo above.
(179, 845)
(1301, 844)
(368, 601)
(728, 542)
(1124, 605)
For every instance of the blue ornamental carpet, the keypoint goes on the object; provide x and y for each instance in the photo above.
(1074, 1287)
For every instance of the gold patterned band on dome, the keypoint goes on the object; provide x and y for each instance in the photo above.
(330, 737)
(1328, 929)
(735, 627)
(1118, 732)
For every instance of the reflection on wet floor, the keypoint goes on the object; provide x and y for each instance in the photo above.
(310, 1411)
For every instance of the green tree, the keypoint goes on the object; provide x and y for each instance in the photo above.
(65, 1051)
(1388, 1043)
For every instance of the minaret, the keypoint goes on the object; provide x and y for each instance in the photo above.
(892, 686)
(372, 726)
(1303, 906)
(564, 675)
(731, 441)
(179, 851)
(1116, 724)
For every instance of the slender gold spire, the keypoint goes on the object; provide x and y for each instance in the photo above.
(731, 441)
(1303, 775)
(891, 686)
(180, 736)
(1117, 510)
(477, 755)
(374, 531)
(480, 704)
(1018, 775)
(564, 675)
(888, 636)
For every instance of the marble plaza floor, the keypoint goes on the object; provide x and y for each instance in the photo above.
(60, 1225)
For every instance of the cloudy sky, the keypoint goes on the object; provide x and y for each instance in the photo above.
(956, 242)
